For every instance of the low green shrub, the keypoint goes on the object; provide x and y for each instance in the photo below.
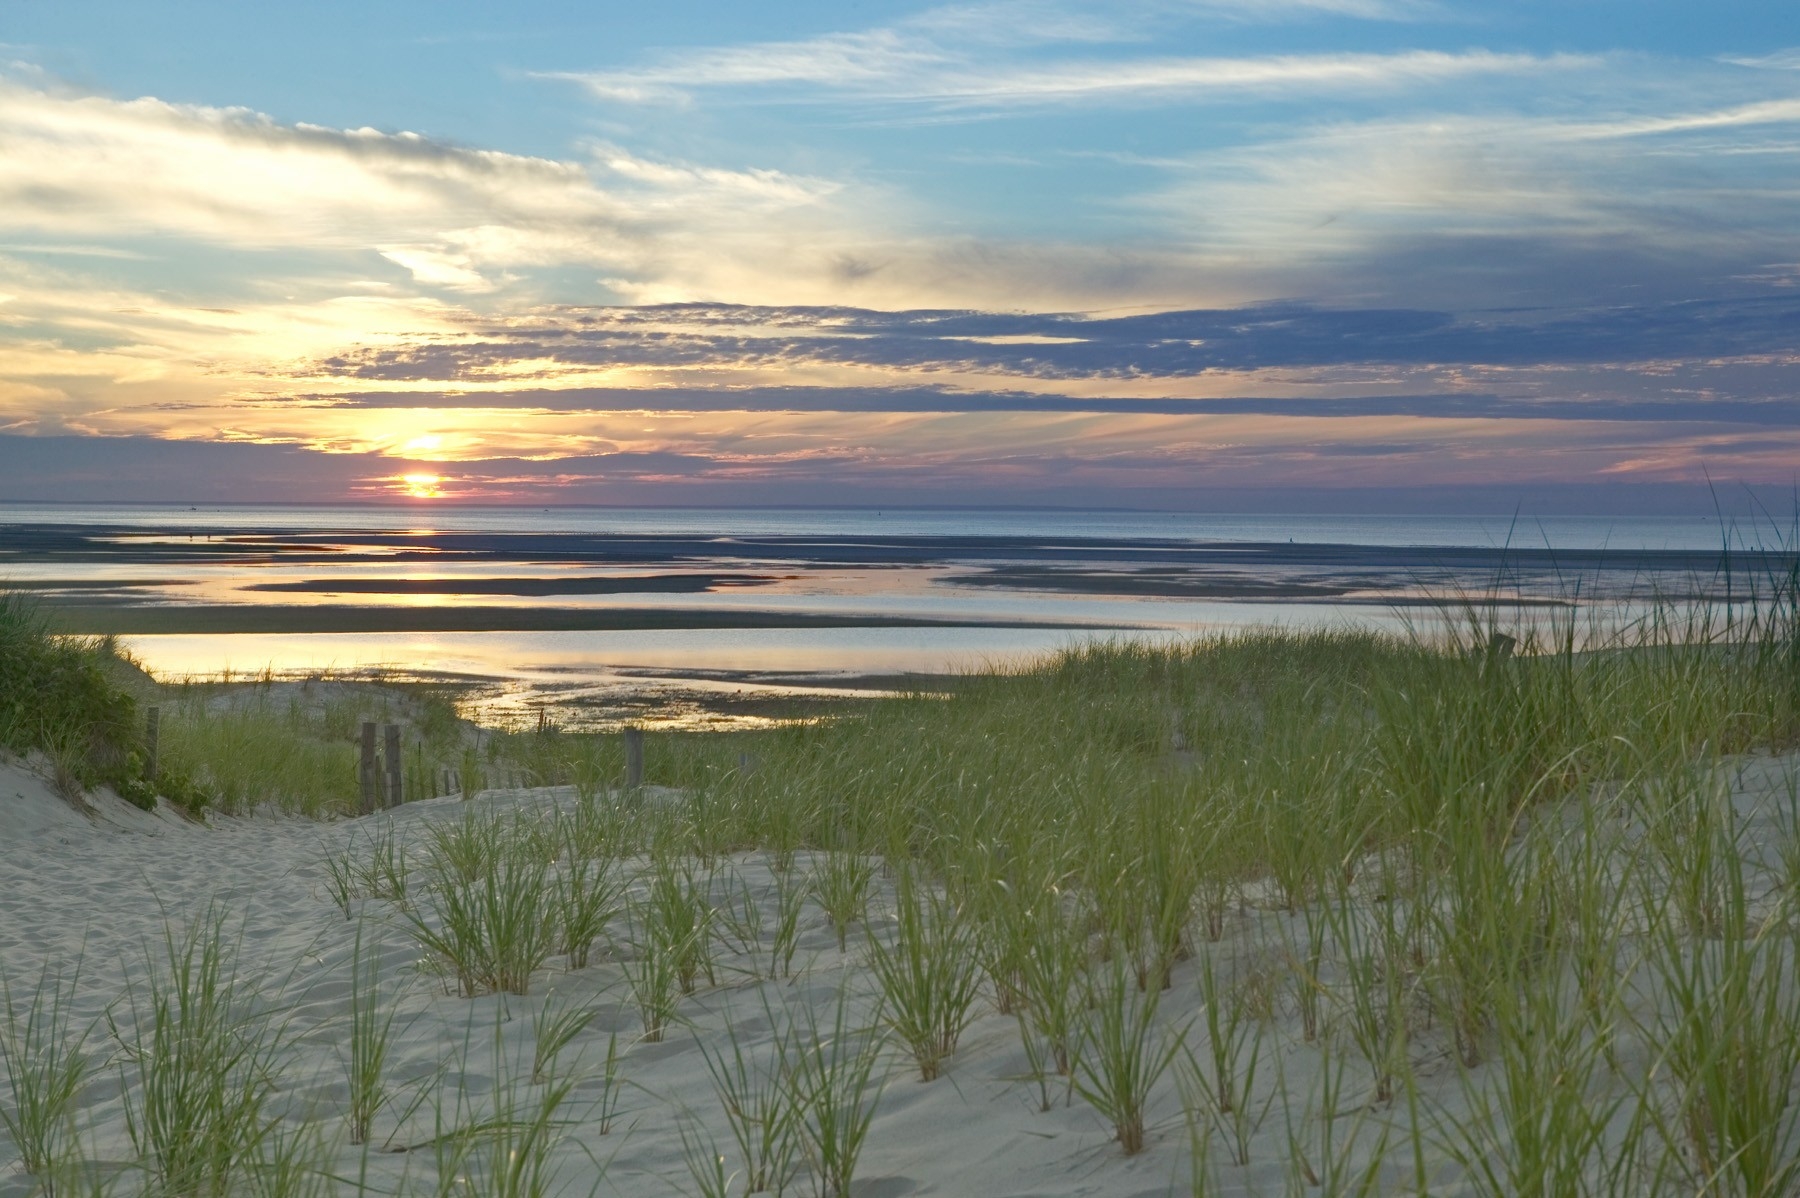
(57, 696)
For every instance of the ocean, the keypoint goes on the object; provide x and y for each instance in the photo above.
(592, 609)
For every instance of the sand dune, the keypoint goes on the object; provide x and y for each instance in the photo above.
(103, 889)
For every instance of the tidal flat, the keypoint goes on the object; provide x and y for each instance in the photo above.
(583, 611)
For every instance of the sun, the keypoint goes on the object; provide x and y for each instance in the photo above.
(423, 486)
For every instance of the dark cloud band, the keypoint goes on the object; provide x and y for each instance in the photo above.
(1073, 347)
(1759, 413)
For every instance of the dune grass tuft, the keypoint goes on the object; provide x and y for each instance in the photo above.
(371, 1040)
(203, 1052)
(47, 1062)
(1125, 1053)
(929, 976)
(833, 1086)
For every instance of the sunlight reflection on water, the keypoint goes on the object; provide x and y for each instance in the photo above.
(850, 578)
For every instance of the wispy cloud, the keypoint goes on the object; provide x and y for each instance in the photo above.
(889, 66)
(1365, 10)
(75, 251)
(1162, 78)
(866, 60)
(942, 54)
(1779, 60)
(1765, 112)
(990, 56)
(1503, 204)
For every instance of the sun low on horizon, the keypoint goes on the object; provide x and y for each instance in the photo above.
(420, 485)
(1014, 252)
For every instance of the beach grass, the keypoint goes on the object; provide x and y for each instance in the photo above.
(493, 930)
(755, 1097)
(651, 974)
(1480, 909)
(371, 1040)
(235, 760)
(557, 1025)
(834, 1083)
(203, 1050)
(1125, 1052)
(44, 1050)
(929, 975)
(588, 896)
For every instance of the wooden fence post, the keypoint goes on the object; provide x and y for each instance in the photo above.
(634, 758)
(369, 775)
(152, 734)
(396, 766)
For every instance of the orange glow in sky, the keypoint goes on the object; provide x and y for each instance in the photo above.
(423, 486)
(1351, 249)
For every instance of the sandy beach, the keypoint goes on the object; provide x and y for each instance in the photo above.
(102, 890)
(106, 889)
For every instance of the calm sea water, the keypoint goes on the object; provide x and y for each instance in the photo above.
(1560, 532)
(587, 668)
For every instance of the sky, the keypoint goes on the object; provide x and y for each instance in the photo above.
(1141, 253)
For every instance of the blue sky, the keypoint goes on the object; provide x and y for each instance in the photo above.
(1022, 251)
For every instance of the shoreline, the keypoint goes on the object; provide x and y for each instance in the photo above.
(229, 619)
(226, 542)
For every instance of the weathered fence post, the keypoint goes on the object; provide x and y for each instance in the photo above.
(634, 758)
(152, 734)
(396, 766)
(369, 776)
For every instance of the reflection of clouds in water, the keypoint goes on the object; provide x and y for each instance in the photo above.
(561, 658)
(588, 677)
(908, 567)
(682, 677)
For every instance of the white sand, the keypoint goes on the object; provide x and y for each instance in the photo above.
(103, 888)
